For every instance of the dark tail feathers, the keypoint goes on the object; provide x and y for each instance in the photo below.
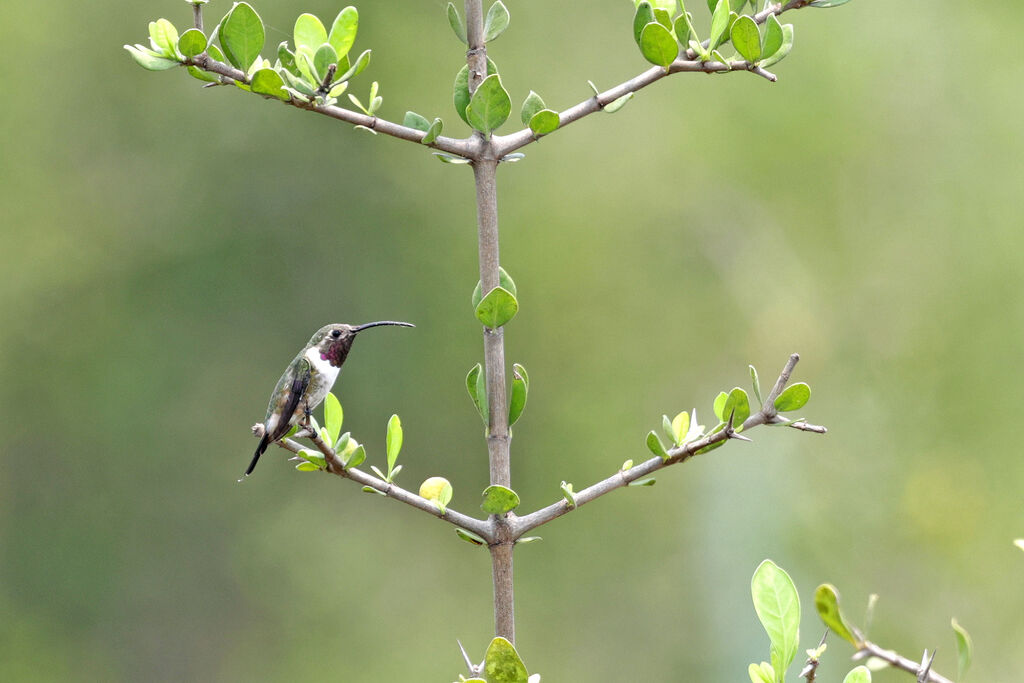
(260, 450)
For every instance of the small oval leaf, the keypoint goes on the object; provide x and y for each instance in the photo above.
(496, 22)
(489, 106)
(497, 308)
(242, 36)
(657, 45)
(502, 663)
(746, 38)
(794, 397)
(469, 536)
(309, 32)
(826, 601)
(545, 121)
(497, 500)
(192, 43)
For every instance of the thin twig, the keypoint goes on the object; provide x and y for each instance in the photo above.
(810, 669)
(480, 527)
(869, 649)
(466, 148)
(522, 525)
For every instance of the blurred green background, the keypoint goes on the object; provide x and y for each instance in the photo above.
(167, 249)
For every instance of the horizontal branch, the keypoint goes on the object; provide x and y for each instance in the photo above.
(467, 147)
(767, 415)
(869, 649)
(480, 527)
(687, 62)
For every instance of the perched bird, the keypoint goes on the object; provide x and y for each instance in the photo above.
(308, 379)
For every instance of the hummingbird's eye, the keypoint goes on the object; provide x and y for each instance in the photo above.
(336, 333)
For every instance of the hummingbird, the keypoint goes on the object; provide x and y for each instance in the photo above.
(308, 379)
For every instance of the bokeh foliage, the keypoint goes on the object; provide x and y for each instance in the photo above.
(169, 249)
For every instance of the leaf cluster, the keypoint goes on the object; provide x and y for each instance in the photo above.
(663, 28)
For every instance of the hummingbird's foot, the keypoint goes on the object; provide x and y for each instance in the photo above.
(258, 430)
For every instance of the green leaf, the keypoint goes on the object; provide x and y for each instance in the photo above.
(307, 467)
(719, 24)
(146, 60)
(644, 15)
(681, 427)
(504, 280)
(794, 397)
(451, 158)
(269, 82)
(666, 426)
(860, 674)
(684, 29)
(778, 607)
(435, 129)
(461, 89)
(341, 445)
(497, 308)
(529, 539)
(309, 32)
(545, 121)
(657, 45)
(489, 106)
(737, 405)
(772, 36)
(164, 38)
(362, 62)
(719, 406)
(357, 458)
(825, 4)
(203, 75)
(313, 457)
(502, 663)
(322, 60)
(531, 105)
(469, 536)
(618, 103)
(343, 31)
(242, 36)
(826, 601)
(455, 21)
(496, 21)
(756, 382)
(192, 43)
(498, 500)
(414, 120)
(761, 674)
(784, 49)
(370, 489)
(394, 440)
(964, 649)
(476, 384)
(644, 482)
(746, 38)
(655, 446)
(626, 465)
(520, 391)
(662, 16)
(334, 416)
(568, 494)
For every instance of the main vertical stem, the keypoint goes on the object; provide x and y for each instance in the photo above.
(485, 168)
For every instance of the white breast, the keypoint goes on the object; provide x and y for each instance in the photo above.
(324, 375)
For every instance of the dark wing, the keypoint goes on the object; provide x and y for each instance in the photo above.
(287, 394)
(295, 382)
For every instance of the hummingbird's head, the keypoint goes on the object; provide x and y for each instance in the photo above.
(334, 341)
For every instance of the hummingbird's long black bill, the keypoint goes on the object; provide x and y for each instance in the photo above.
(360, 328)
